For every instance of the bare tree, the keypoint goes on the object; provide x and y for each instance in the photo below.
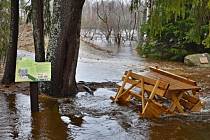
(114, 20)
(104, 17)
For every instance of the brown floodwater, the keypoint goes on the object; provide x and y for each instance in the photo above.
(95, 117)
(88, 117)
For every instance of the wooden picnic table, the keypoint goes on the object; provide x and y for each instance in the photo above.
(179, 90)
(178, 87)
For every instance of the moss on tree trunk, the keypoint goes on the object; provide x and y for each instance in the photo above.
(64, 46)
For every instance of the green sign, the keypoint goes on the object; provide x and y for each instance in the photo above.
(27, 70)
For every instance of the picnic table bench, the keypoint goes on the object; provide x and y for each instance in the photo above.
(159, 92)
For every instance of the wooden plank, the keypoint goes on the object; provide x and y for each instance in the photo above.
(122, 87)
(142, 93)
(154, 89)
(176, 104)
(151, 96)
(148, 80)
(175, 85)
(124, 99)
(127, 90)
(154, 110)
(187, 105)
(191, 99)
(128, 84)
(147, 87)
(177, 77)
(138, 96)
(197, 107)
(193, 107)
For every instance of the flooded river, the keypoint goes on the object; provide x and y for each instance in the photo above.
(88, 117)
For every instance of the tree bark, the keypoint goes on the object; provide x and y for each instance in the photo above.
(9, 73)
(53, 42)
(66, 47)
(38, 35)
(38, 29)
(47, 15)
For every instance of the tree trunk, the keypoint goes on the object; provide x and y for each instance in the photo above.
(47, 15)
(38, 35)
(55, 32)
(66, 47)
(134, 26)
(53, 42)
(9, 73)
(38, 29)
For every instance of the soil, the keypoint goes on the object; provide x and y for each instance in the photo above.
(15, 88)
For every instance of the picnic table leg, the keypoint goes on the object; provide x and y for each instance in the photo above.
(127, 90)
(151, 95)
(123, 85)
(153, 90)
(142, 92)
(175, 103)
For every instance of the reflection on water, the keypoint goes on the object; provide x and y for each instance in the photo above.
(16, 121)
(180, 129)
(15, 117)
(47, 123)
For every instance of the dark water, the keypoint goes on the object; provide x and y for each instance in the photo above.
(88, 117)
(17, 122)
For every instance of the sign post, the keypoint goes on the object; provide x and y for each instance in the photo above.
(27, 70)
(34, 97)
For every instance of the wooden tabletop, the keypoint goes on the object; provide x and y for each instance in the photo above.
(175, 84)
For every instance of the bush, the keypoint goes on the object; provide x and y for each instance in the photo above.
(174, 42)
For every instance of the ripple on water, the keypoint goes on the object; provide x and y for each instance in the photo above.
(102, 128)
(102, 119)
(105, 120)
(15, 119)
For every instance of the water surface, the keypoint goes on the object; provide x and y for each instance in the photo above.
(88, 117)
